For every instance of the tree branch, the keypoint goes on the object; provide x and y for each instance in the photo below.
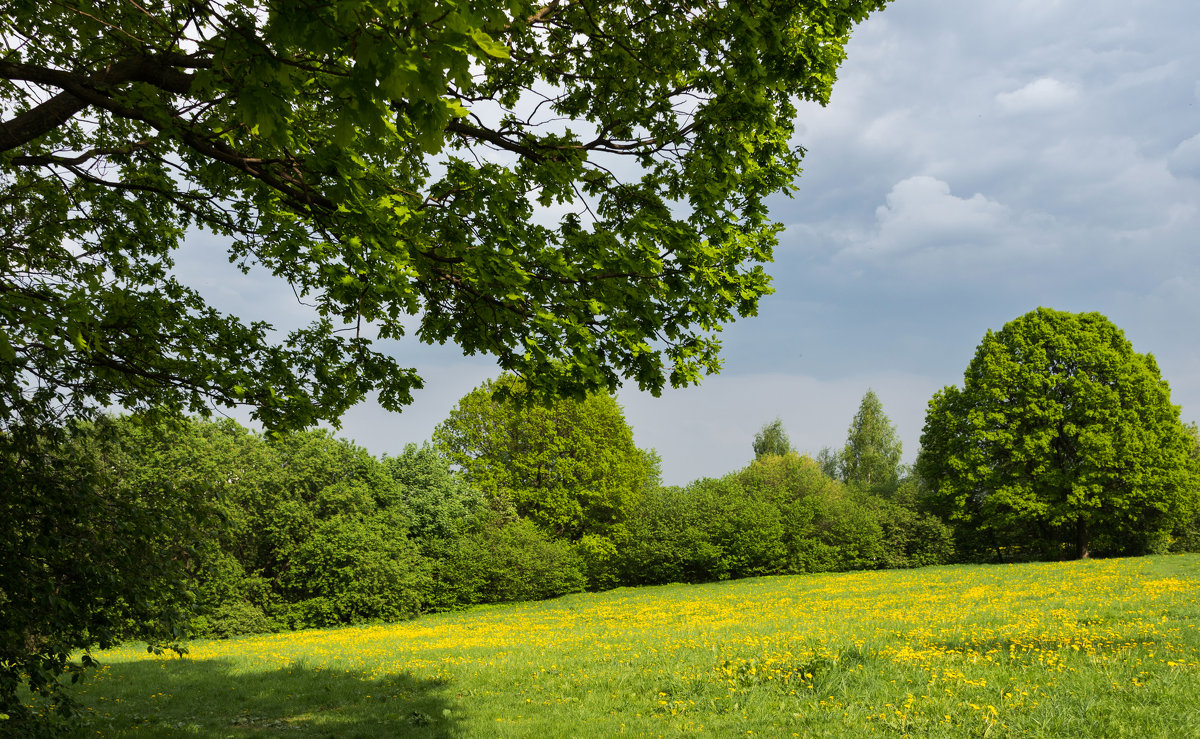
(160, 70)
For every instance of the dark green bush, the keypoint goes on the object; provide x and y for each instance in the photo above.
(746, 528)
(495, 558)
(668, 541)
(236, 618)
(841, 534)
(354, 569)
(913, 539)
(601, 557)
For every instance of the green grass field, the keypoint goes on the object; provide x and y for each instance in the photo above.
(1107, 648)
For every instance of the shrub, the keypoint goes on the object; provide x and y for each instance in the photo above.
(354, 569)
(600, 556)
(912, 539)
(238, 618)
(495, 558)
(668, 541)
(745, 528)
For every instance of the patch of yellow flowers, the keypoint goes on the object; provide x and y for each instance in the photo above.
(909, 651)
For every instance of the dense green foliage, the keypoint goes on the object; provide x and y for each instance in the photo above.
(259, 534)
(779, 515)
(75, 526)
(569, 465)
(772, 438)
(871, 457)
(1185, 537)
(400, 166)
(496, 558)
(1061, 438)
(388, 160)
(326, 534)
(233, 533)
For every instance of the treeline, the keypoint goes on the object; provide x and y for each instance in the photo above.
(307, 530)
(234, 532)
(780, 515)
(1062, 442)
(251, 533)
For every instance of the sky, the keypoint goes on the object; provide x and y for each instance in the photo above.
(977, 160)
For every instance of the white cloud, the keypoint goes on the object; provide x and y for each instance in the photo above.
(1042, 94)
(921, 213)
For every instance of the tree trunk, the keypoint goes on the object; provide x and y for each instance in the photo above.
(1081, 539)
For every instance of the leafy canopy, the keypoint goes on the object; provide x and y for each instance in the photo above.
(92, 555)
(576, 188)
(1060, 435)
(871, 456)
(570, 466)
(772, 439)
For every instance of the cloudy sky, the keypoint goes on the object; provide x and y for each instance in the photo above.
(978, 160)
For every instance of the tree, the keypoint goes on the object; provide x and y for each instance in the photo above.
(74, 530)
(332, 540)
(570, 466)
(772, 439)
(871, 457)
(830, 462)
(229, 470)
(384, 160)
(387, 160)
(437, 500)
(1061, 435)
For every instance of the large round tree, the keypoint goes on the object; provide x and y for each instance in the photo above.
(569, 465)
(1062, 437)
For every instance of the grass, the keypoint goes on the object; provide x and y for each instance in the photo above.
(1106, 648)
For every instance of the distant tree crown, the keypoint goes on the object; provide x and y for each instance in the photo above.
(772, 439)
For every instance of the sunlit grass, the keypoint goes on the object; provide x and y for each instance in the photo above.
(1106, 648)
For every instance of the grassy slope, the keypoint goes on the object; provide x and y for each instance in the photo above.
(1107, 648)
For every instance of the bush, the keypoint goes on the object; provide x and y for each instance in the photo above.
(236, 619)
(783, 479)
(746, 529)
(833, 534)
(1186, 536)
(495, 558)
(600, 556)
(669, 541)
(912, 539)
(354, 569)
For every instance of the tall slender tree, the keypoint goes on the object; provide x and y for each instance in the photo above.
(871, 457)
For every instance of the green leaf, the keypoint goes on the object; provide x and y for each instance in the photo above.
(489, 46)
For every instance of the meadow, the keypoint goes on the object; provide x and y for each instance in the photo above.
(1101, 648)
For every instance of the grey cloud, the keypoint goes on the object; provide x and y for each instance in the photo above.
(977, 160)
(1184, 161)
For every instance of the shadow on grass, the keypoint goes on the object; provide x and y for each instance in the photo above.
(209, 698)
